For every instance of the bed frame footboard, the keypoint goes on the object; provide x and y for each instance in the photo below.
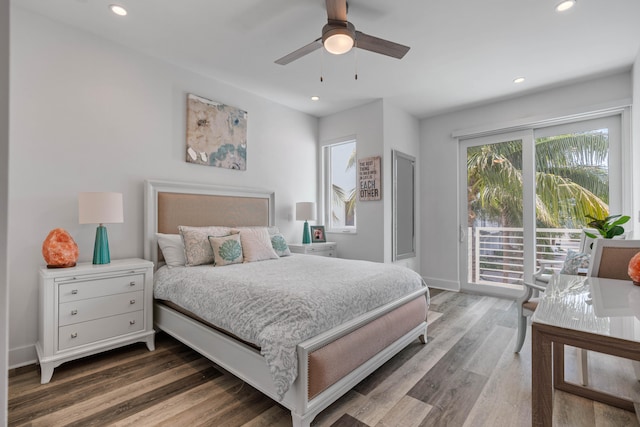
(247, 364)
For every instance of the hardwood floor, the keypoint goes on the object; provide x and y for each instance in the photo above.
(466, 375)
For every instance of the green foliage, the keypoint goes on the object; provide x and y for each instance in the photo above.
(608, 227)
(571, 180)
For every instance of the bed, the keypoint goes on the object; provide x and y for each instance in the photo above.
(327, 363)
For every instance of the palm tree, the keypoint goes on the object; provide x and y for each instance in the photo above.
(571, 181)
(341, 198)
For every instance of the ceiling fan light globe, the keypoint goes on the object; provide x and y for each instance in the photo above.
(338, 37)
(338, 44)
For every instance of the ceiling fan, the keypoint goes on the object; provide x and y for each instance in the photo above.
(340, 35)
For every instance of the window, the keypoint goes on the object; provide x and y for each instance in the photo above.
(339, 162)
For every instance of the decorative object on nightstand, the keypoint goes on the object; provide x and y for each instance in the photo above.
(328, 249)
(89, 309)
(100, 208)
(317, 234)
(59, 249)
(634, 269)
(306, 211)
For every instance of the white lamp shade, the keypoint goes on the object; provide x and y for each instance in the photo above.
(100, 208)
(305, 211)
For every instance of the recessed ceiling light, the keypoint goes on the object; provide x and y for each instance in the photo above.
(565, 5)
(315, 98)
(117, 9)
(518, 80)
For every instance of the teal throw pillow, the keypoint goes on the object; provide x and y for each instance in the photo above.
(226, 250)
(280, 245)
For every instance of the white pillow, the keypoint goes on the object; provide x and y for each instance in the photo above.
(197, 249)
(172, 249)
(256, 244)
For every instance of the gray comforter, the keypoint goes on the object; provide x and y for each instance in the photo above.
(278, 304)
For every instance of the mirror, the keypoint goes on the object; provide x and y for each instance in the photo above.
(403, 210)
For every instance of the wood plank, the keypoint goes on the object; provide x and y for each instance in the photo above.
(483, 360)
(40, 402)
(408, 412)
(113, 402)
(504, 399)
(157, 413)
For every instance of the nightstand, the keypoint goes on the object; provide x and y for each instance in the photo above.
(90, 308)
(329, 249)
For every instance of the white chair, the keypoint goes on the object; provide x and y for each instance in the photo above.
(609, 259)
(528, 303)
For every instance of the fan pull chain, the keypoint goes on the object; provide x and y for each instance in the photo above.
(321, 65)
(355, 54)
(355, 57)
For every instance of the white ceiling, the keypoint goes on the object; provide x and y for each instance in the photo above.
(463, 52)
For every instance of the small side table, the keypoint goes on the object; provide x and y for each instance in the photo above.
(90, 308)
(328, 249)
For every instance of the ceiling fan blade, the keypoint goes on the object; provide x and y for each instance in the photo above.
(296, 54)
(337, 10)
(378, 45)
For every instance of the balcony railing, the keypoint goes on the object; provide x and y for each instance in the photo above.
(497, 253)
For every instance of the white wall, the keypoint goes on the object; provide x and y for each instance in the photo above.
(4, 202)
(366, 123)
(635, 135)
(402, 133)
(90, 115)
(439, 160)
(379, 127)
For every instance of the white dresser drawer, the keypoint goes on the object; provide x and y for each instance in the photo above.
(87, 332)
(328, 249)
(96, 288)
(323, 252)
(96, 308)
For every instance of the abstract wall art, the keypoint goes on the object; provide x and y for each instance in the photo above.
(216, 134)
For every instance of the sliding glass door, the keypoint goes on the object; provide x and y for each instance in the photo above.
(575, 178)
(495, 172)
(526, 196)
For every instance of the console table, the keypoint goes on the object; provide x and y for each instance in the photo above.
(585, 312)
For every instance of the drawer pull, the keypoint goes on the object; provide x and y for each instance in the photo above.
(132, 283)
(132, 301)
(74, 335)
(74, 292)
(132, 322)
(74, 312)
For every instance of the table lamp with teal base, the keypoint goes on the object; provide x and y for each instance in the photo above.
(100, 208)
(306, 211)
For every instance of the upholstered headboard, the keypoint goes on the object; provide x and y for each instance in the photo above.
(170, 204)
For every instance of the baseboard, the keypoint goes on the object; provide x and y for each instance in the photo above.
(22, 356)
(447, 285)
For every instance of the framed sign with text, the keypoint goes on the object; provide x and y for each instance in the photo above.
(369, 174)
